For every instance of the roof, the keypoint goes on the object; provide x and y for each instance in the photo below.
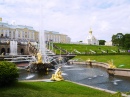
(51, 32)
(15, 26)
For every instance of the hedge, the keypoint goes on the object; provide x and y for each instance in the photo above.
(8, 73)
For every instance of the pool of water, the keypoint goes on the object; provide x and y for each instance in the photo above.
(95, 76)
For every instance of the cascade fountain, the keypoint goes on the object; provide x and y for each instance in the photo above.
(77, 73)
(13, 47)
(42, 47)
(43, 61)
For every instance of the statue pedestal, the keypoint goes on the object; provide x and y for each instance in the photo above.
(40, 67)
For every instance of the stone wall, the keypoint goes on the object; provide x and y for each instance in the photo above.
(119, 72)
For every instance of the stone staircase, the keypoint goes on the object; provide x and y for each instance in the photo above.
(49, 52)
(32, 49)
(62, 50)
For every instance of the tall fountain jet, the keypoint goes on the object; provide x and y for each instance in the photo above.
(13, 47)
(42, 47)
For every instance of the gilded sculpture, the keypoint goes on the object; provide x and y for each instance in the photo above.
(110, 64)
(39, 57)
(57, 76)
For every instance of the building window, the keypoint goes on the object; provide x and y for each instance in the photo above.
(5, 35)
(28, 34)
(14, 34)
(25, 34)
(10, 34)
(19, 34)
(32, 35)
(1, 35)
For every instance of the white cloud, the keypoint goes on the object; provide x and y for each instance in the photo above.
(71, 17)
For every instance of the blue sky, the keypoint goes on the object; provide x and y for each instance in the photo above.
(71, 17)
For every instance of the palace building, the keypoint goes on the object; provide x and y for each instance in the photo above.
(17, 32)
(20, 33)
(56, 37)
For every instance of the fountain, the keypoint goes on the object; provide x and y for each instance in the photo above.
(77, 51)
(42, 62)
(76, 73)
(39, 65)
(92, 51)
(103, 51)
(13, 47)
(92, 71)
(82, 74)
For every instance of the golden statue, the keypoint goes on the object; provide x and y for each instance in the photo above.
(111, 65)
(88, 60)
(57, 76)
(39, 57)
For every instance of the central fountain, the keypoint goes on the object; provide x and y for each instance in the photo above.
(42, 62)
(39, 65)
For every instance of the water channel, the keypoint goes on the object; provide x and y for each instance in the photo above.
(95, 76)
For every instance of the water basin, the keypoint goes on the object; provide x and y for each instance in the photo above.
(95, 76)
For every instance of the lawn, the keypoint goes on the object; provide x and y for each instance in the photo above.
(74, 48)
(51, 89)
(120, 61)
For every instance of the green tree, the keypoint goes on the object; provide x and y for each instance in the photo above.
(102, 42)
(118, 40)
(80, 41)
(127, 41)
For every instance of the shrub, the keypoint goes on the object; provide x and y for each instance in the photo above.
(8, 73)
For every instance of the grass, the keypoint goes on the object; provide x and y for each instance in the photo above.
(63, 88)
(55, 89)
(84, 48)
(120, 61)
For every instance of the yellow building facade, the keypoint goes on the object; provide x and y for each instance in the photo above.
(17, 32)
(56, 37)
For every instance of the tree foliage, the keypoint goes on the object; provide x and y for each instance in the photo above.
(127, 41)
(102, 42)
(8, 73)
(121, 40)
(118, 40)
